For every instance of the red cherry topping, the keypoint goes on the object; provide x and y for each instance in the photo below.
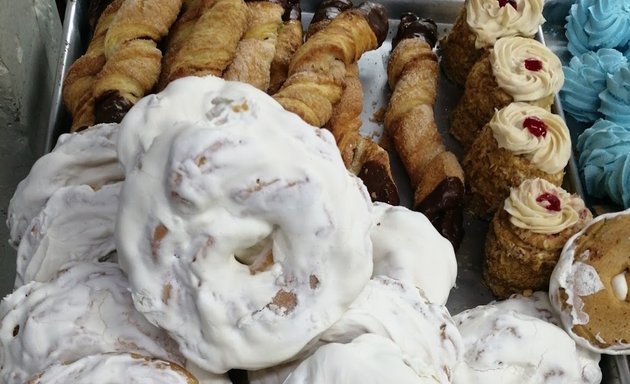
(535, 126)
(552, 201)
(533, 65)
(503, 3)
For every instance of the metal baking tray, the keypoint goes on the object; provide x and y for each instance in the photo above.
(470, 291)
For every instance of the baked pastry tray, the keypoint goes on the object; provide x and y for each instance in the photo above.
(470, 291)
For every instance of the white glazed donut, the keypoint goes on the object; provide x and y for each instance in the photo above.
(518, 341)
(408, 248)
(76, 224)
(87, 309)
(88, 157)
(241, 231)
(113, 368)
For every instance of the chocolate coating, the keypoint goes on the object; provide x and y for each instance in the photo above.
(329, 9)
(378, 182)
(292, 11)
(411, 26)
(376, 16)
(444, 208)
(111, 108)
(238, 376)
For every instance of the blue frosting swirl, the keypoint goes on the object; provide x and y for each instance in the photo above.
(615, 100)
(585, 78)
(594, 24)
(604, 161)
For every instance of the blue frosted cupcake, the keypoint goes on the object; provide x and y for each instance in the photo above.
(585, 78)
(615, 100)
(604, 160)
(594, 24)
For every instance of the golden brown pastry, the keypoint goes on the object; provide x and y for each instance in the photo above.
(325, 13)
(435, 174)
(289, 40)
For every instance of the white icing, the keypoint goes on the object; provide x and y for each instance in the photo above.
(368, 359)
(273, 375)
(237, 175)
(86, 310)
(205, 377)
(85, 158)
(620, 286)
(76, 224)
(408, 248)
(114, 368)
(513, 342)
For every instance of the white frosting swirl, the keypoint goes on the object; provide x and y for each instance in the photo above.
(508, 65)
(528, 213)
(549, 153)
(491, 21)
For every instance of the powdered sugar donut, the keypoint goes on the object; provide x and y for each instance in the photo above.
(408, 248)
(88, 157)
(238, 227)
(87, 309)
(76, 224)
(115, 368)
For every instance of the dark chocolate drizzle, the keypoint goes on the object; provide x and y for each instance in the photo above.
(411, 26)
(444, 208)
(292, 11)
(95, 10)
(329, 9)
(376, 16)
(111, 108)
(379, 183)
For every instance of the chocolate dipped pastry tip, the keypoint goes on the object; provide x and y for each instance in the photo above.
(376, 16)
(411, 26)
(292, 11)
(329, 9)
(111, 108)
(377, 180)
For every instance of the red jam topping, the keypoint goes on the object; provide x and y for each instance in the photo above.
(533, 65)
(503, 3)
(535, 126)
(552, 201)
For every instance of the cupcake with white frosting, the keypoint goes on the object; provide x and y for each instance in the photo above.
(521, 142)
(516, 69)
(526, 237)
(479, 25)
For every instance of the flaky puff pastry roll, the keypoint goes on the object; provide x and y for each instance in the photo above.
(516, 69)
(520, 142)
(290, 38)
(526, 236)
(479, 25)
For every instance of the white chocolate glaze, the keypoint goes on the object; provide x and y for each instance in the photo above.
(408, 248)
(620, 286)
(508, 66)
(114, 368)
(86, 310)
(516, 342)
(238, 177)
(205, 377)
(85, 158)
(491, 21)
(273, 375)
(529, 211)
(368, 359)
(549, 153)
(76, 224)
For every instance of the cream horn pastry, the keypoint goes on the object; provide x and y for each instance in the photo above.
(435, 173)
(326, 11)
(516, 69)
(289, 40)
(256, 50)
(479, 25)
(521, 142)
(133, 61)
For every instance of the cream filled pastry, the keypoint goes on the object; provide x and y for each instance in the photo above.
(76, 224)
(368, 359)
(238, 224)
(516, 341)
(520, 142)
(86, 310)
(110, 368)
(86, 158)
(408, 248)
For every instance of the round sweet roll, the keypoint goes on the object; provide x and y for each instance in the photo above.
(238, 229)
(594, 24)
(115, 368)
(369, 359)
(86, 310)
(516, 341)
(616, 97)
(76, 224)
(408, 248)
(85, 158)
(589, 286)
(527, 70)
